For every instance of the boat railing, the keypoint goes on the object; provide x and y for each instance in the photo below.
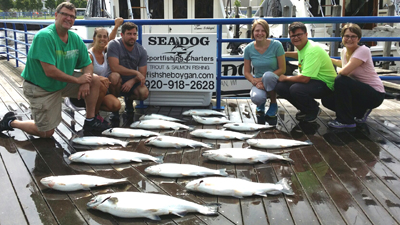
(13, 51)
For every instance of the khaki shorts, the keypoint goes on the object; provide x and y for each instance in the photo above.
(46, 106)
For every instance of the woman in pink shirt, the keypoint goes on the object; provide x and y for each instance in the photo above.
(358, 88)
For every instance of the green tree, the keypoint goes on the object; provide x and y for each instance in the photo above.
(20, 5)
(6, 5)
(51, 4)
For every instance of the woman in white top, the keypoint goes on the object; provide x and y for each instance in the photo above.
(106, 102)
(358, 88)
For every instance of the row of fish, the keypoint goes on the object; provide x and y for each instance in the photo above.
(225, 186)
(160, 124)
(178, 142)
(136, 204)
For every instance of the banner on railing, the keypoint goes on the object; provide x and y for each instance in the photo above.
(181, 62)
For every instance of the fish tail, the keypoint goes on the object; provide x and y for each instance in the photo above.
(286, 157)
(209, 209)
(123, 180)
(308, 142)
(159, 159)
(124, 144)
(223, 172)
(191, 127)
(255, 135)
(286, 189)
(209, 145)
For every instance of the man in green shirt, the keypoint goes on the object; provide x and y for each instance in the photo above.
(315, 79)
(49, 75)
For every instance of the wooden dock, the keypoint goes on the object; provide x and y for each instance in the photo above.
(348, 177)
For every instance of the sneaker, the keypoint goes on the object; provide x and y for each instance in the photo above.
(312, 116)
(70, 105)
(260, 109)
(272, 110)
(364, 118)
(339, 125)
(100, 118)
(5, 122)
(95, 125)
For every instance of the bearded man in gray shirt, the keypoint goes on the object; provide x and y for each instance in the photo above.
(127, 67)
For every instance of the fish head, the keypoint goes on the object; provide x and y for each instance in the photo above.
(187, 113)
(135, 124)
(208, 154)
(195, 132)
(48, 181)
(98, 200)
(74, 157)
(153, 170)
(252, 141)
(195, 184)
(150, 140)
(227, 125)
(108, 131)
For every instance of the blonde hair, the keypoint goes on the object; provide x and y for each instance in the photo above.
(261, 22)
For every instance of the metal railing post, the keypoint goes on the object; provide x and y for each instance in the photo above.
(16, 46)
(5, 37)
(26, 39)
(388, 44)
(333, 51)
(285, 27)
(140, 35)
(219, 60)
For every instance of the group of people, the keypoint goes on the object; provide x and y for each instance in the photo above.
(118, 67)
(60, 65)
(352, 92)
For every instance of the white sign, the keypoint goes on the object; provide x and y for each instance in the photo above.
(181, 62)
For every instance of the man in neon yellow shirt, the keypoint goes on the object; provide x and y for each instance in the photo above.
(315, 79)
(49, 75)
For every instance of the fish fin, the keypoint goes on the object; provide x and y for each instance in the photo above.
(286, 189)
(237, 194)
(159, 159)
(223, 172)
(261, 194)
(191, 127)
(152, 216)
(84, 187)
(180, 214)
(209, 209)
(136, 160)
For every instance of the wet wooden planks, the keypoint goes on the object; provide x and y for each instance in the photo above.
(349, 177)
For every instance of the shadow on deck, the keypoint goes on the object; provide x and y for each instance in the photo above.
(349, 177)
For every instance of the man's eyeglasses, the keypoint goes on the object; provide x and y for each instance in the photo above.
(68, 15)
(350, 37)
(296, 35)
